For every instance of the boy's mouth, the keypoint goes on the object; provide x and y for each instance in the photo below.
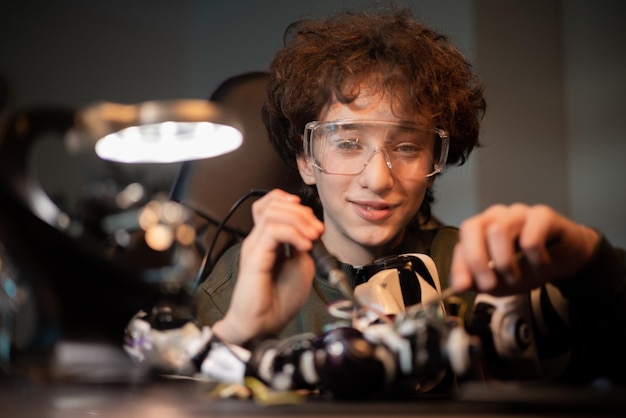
(372, 212)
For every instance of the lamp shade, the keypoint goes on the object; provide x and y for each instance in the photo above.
(161, 131)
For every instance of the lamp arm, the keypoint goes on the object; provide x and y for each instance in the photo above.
(20, 134)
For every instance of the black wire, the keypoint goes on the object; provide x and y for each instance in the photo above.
(207, 261)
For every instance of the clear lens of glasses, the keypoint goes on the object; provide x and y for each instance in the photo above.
(348, 146)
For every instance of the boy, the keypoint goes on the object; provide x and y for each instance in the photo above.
(368, 108)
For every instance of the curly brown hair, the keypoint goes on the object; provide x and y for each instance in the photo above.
(325, 59)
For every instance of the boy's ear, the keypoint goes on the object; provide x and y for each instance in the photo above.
(305, 169)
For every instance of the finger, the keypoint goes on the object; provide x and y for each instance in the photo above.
(275, 212)
(474, 251)
(538, 234)
(461, 277)
(502, 242)
(273, 236)
(260, 205)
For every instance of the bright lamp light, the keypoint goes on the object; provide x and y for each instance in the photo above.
(162, 131)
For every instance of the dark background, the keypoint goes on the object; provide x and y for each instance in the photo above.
(555, 73)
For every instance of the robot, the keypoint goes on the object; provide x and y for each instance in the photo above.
(379, 344)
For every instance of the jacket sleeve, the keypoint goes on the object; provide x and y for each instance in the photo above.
(212, 298)
(597, 308)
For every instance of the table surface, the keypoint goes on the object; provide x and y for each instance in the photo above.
(98, 380)
(191, 399)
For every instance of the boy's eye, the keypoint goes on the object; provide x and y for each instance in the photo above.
(346, 144)
(407, 148)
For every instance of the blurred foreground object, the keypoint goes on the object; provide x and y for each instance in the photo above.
(81, 273)
(375, 348)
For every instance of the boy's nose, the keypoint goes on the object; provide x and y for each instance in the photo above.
(376, 174)
(382, 152)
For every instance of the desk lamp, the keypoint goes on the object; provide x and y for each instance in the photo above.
(77, 288)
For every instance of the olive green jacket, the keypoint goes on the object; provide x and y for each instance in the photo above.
(213, 296)
(596, 297)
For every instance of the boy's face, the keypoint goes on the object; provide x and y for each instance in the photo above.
(365, 214)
